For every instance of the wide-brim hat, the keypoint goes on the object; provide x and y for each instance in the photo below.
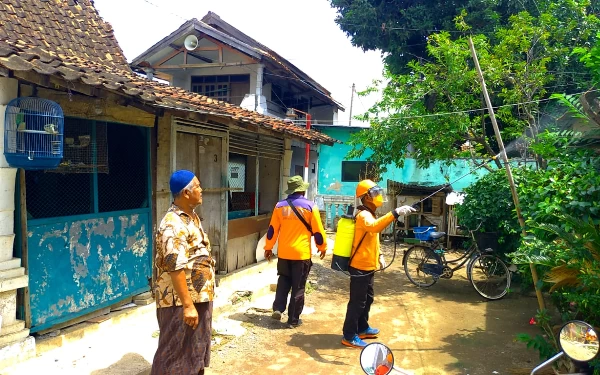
(296, 184)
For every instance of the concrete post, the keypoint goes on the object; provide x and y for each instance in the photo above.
(15, 342)
(286, 165)
(259, 85)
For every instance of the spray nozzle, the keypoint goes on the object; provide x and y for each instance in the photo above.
(501, 153)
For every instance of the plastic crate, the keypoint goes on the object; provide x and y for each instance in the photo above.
(423, 233)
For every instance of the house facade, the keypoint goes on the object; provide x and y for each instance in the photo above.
(338, 177)
(213, 58)
(77, 237)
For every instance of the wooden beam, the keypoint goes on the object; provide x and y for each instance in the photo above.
(168, 57)
(24, 244)
(109, 107)
(164, 76)
(207, 65)
(191, 53)
(220, 54)
(216, 48)
(32, 77)
(74, 86)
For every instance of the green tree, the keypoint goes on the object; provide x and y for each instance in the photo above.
(406, 121)
(400, 28)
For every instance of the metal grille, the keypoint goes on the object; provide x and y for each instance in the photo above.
(265, 147)
(125, 187)
(86, 147)
(57, 195)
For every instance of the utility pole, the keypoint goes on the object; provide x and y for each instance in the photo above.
(351, 101)
(511, 181)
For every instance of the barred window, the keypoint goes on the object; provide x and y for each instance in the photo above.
(354, 171)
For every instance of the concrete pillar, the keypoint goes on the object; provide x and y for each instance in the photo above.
(13, 333)
(286, 165)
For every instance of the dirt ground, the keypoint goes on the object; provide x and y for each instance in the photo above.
(446, 329)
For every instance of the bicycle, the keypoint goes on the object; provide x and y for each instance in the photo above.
(425, 263)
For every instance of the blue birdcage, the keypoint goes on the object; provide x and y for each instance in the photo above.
(33, 133)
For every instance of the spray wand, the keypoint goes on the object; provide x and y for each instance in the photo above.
(418, 203)
(455, 181)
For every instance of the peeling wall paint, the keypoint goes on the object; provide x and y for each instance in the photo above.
(330, 169)
(76, 265)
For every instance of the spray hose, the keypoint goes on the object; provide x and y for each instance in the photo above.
(347, 273)
(418, 203)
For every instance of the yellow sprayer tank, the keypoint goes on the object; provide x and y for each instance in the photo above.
(342, 246)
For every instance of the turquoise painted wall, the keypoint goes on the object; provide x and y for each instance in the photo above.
(330, 169)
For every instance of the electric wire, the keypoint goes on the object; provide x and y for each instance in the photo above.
(395, 117)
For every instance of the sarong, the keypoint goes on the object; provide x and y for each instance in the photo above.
(181, 349)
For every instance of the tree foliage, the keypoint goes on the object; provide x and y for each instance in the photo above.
(400, 28)
(429, 113)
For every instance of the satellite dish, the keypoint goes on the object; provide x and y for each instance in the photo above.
(191, 42)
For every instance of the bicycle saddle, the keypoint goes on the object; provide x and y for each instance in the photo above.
(436, 235)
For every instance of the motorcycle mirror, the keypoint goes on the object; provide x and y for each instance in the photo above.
(579, 341)
(376, 359)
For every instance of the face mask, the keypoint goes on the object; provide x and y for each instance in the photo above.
(378, 201)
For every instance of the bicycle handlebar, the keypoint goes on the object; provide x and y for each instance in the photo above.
(472, 230)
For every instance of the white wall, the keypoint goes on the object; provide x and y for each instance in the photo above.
(298, 155)
(8, 91)
(8, 290)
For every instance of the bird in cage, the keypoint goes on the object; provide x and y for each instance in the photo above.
(51, 128)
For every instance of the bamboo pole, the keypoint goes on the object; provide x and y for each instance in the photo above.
(511, 181)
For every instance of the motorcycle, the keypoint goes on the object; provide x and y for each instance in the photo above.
(578, 340)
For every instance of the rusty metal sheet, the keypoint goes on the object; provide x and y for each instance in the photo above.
(78, 266)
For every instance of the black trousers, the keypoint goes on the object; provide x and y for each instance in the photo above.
(292, 275)
(361, 299)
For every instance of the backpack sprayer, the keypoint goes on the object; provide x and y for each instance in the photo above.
(344, 239)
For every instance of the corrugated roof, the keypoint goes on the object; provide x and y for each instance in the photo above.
(69, 39)
(399, 188)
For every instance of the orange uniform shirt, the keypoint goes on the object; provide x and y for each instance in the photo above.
(366, 257)
(294, 238)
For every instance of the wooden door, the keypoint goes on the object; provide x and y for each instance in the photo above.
(203, 155)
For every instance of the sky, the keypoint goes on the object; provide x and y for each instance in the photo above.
(303, 32)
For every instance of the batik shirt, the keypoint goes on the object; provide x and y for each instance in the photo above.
(182, 244)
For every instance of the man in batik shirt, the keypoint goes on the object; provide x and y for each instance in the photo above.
(184, 288)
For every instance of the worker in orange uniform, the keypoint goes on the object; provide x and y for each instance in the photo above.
(295, 220)
(365, 259)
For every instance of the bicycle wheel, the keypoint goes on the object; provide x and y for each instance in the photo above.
(422, 266)
(489, 275)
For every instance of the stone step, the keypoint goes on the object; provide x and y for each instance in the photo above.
(12, 263)
(12, 272)
(13, 337)
(13, 283)
(17, 326)
(143, 302)
(143, 296)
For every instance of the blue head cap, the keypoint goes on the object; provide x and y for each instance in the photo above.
(180, 179)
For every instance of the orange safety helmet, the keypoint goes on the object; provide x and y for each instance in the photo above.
(363, 187)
